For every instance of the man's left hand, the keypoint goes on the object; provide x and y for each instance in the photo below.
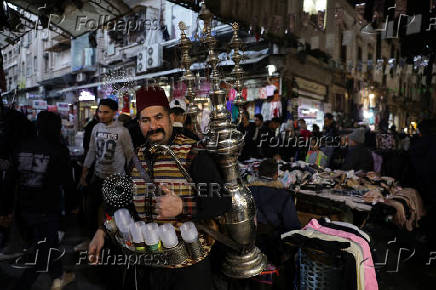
(169, 205)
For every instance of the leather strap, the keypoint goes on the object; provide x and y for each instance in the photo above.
(220, 238)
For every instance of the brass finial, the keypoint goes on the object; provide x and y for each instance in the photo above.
(188, 77)
(238, 71)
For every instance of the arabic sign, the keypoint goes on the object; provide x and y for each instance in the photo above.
(63, 107)
(39, 105)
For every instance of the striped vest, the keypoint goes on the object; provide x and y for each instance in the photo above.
(164, 171)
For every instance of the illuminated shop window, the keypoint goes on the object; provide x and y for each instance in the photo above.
(313, 6)
(316, 10)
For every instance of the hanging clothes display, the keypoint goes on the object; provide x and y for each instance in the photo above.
(258, 107)
(266, 111)
(370, 276)
(354, 274)
(276, 109)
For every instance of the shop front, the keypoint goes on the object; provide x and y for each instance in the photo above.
(311, 102)
(87, 105)
(263, 97)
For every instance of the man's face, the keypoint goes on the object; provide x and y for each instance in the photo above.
(258, 122)
(327, 122)
(105, 114)
(156, 124)
(276, 125)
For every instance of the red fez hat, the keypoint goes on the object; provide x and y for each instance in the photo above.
(151, 96)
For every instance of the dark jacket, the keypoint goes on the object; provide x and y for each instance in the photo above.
(87, 134)
(185, 131)
(423, 158)
(135, 132)
(357, 158)
(260, 142)
(328, 144)
(275, 205)
(249, 143)
(43, 169)
(331, 131)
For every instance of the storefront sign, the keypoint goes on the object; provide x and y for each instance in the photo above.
(52, 108)
(39, 105)
(312, 89)
(311, 111)
(86, 96)
(33, 96)
(63, 107)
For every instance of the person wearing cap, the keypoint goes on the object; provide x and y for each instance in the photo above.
(175, 204)
(358, 156)
(178, 109)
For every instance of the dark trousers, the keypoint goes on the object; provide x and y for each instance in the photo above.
(197, 276)
(44, 253)
(92, 202)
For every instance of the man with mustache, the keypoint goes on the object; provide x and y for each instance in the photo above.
(177, 204)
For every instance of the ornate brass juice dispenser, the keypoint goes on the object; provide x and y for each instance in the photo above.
(224, 142)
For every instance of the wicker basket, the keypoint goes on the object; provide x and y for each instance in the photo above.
(319, 271)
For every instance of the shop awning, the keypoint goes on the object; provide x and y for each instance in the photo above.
(309, 94)
(146, 76)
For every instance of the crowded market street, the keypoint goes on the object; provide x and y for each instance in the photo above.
(217, 144)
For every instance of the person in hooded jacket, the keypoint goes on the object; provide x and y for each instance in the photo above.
(275, 205)
(43, 169)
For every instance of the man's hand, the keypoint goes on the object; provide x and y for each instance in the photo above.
(169, 205)
(95, 246)
(83, 177)
(83, 181)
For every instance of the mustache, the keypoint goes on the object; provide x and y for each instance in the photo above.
(158, 130)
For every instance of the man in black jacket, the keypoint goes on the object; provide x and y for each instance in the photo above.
(358, 156)
(260, 137)
(43, 169)
(274, 203)
(328, 146)
(276, 214)
(247, 128)
(88, 130)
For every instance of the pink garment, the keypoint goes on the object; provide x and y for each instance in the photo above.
(370, 277)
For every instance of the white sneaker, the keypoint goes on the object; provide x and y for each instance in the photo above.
(61, 235)
(60, 283)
